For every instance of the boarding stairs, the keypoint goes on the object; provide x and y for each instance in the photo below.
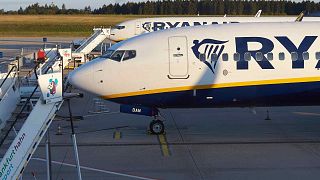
(33, 128)
(98, 36)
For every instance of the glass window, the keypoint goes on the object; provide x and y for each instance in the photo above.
(294, 56)
(129, 55)
(236, 56)
(214, 57)
(270, 56)
(281, 56)
(225, 57)
(305, 56)
(247, 56)
(107, 54)
(117, 56)
(318, 56)
(120, 27)
(202, 57)
(259, 56)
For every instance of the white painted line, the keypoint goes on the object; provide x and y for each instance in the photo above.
(307, 113)
(97, 170)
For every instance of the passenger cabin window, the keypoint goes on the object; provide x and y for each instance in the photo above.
(117, 56)
(281, 56)
(259, 56)
(294, 56)
(270, 56)
(129, 54)
(202, 57)
(214, 57)
(120, 27)
(236, 56)
(225, 57)
(318, 56)
(305, 56)
(247, 56)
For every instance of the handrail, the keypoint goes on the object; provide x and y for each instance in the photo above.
(8, 75)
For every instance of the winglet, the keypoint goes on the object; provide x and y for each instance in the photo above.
(258, 13)
(300, 17)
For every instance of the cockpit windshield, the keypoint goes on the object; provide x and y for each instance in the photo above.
(117, 56)
(108, 54)
(119, 27)
(121, 55)
(129, 55)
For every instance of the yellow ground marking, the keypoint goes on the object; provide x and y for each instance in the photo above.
(117, 135)
(164, 145)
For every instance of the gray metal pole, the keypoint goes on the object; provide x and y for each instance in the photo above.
(48, 154)
(76, 154)
(74, 141)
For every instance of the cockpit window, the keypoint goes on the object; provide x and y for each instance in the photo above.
(108, 54)
(119, 27)
(117, 56)
(129, 55)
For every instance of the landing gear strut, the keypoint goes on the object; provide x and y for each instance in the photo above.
(156, 127)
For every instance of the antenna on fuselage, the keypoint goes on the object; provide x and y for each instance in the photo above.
(300, 17)
(258, 13)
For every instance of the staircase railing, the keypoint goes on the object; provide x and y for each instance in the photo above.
(6, 134)
(7, 76)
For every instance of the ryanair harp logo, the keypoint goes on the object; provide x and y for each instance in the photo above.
(147, 26)
(207, 47)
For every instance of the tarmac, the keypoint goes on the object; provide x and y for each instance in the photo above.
(230, 143)
(227, 143)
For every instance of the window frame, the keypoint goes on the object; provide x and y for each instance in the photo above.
(225, 57)
(236, 55)
(247, 56)
(282, 56)
(304, 54)
(268, 56)
(294, 54)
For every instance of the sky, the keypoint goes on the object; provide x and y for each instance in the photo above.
(76, 4)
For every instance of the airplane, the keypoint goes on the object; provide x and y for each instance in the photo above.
(231, 65)
(131, 28)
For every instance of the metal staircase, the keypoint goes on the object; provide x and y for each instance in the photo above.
(33, 122)
(94, 40)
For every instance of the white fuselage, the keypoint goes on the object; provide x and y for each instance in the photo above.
(178, 67)
(131, 28)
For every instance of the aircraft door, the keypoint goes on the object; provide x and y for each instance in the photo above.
(178, 57)
(138, 28)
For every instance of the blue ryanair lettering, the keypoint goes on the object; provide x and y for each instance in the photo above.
(158, 26)
(303, 47)
(184, 24)
(242, 47)
(167, 25)
(173, 25)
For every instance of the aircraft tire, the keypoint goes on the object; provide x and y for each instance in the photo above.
(156, 127)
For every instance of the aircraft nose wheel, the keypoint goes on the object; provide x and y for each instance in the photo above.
(156, 127)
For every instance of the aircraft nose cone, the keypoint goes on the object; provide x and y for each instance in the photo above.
(80, 78)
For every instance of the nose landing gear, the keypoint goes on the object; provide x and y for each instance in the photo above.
(156, 127)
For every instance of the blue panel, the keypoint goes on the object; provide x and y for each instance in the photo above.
(138, 110)
(293, 94)
(1, 54)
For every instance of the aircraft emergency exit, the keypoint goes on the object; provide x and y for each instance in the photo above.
(136, 27)
(232, 65)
